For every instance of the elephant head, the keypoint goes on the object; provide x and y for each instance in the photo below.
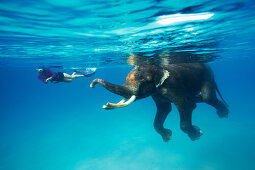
(141, 82)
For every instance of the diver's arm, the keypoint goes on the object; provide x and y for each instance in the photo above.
(48, 79)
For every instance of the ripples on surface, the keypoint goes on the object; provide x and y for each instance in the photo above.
(103, 33)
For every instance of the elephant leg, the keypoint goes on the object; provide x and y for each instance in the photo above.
(163, 108)
(198, 99)
(185, 110)
(208, 94)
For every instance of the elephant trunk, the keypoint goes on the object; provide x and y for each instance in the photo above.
(121, 90)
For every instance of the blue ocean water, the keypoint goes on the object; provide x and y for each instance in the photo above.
(63, 126)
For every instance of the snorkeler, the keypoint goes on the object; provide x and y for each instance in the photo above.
(46, 75)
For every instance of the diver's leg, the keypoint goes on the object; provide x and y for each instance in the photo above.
(163, 108)
(71, 77)
(90, 74)
(67, 77)
(77, 76)
(185, 110)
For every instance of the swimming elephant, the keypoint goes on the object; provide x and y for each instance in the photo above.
(182, 84)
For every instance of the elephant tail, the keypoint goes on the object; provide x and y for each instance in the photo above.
(217, 89)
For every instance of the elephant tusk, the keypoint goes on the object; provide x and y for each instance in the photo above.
(106, 107)
(122, 103)
(109, 107)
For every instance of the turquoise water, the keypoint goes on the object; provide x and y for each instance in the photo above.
(63, 126)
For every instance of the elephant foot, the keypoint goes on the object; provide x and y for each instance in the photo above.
(223, 113)
(166, 135)
(193, 132)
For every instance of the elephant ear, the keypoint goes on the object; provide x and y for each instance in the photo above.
(164, 75)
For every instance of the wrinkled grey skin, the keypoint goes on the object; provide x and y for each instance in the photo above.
(186, 85)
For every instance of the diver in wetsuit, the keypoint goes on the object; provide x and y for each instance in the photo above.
(46, 75)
